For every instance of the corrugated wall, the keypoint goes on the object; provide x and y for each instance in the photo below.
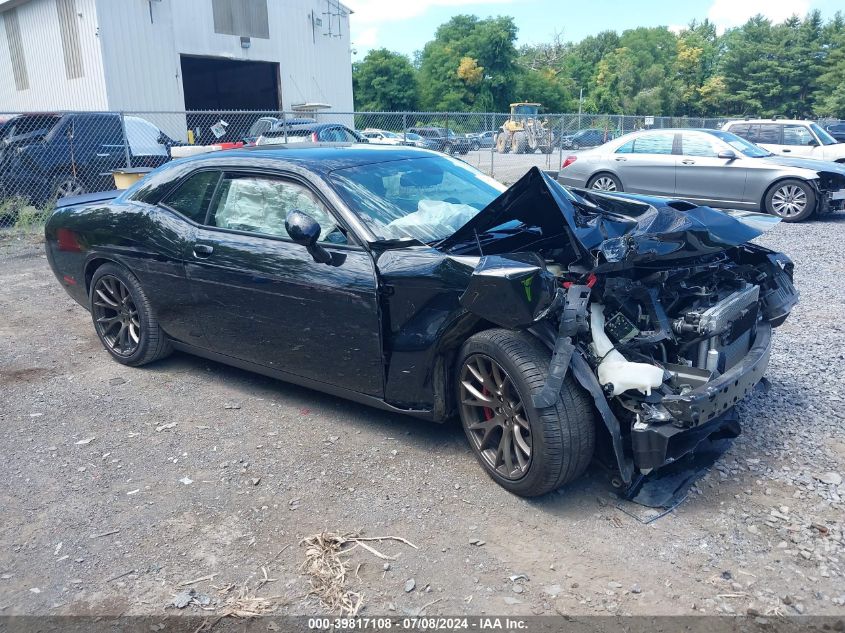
(61, 55)
(141, 44)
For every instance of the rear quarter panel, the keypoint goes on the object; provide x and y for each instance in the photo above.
(147, 240)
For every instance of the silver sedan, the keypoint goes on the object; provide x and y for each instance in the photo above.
(709, 167)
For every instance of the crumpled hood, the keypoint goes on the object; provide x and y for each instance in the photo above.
(607, 228)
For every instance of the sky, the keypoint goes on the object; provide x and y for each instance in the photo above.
(406, 25)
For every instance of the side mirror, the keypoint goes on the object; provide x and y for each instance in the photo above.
(727, 154)
(813, 143)
(304, 230)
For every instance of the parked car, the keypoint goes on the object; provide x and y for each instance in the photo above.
(837, 131)
(418, 141)
(358, 270)
(444, 140)
(266, 123)
(802, 139)
(586, 138)
(43, 156)
(709, 167)
(383, 137)
(311, 133)
(483, 139)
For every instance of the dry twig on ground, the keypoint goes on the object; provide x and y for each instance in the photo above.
(327, 567)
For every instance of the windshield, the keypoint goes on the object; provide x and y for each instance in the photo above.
(741, 145)
(824, 137)
(426, 199)
(40, 123)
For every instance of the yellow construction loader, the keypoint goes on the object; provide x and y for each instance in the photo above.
(524, 132)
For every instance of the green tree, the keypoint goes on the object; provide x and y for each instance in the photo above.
(830, 98)
(384, 82)
(469, 43)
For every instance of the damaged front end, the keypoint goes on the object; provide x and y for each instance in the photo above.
(661, 309)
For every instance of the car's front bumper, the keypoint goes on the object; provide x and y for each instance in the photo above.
(702, 411)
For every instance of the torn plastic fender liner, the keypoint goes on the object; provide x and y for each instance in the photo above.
(513, 291)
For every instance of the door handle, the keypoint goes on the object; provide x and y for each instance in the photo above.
(621, 159)
(688, 161)
(202, 250)
(787, 151)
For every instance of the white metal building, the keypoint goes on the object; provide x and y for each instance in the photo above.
(174, 55)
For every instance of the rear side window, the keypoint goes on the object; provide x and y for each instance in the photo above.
(767, 133)
(194, 195)
(741, 129)
(654, 144)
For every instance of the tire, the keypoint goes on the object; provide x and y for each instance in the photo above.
(519, 144)
(561, 437)
(791, 200)
(66, 185)
(502, 145)
(152, 343)
(605, 182)
(475, 147)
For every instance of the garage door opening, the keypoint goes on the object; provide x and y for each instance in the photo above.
(223, 84)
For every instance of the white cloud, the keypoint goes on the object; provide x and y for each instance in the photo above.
(728, 13)
(369, 15)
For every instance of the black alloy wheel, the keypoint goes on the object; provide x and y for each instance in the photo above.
(116, 316)
(527, 450)
(495, 417)
(123, 317)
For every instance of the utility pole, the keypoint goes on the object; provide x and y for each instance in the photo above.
(580, 105)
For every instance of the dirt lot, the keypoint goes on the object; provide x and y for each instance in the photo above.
(120, 484)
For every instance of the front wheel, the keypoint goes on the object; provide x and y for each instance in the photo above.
(791, 200)
(124, 319)
(526, 450)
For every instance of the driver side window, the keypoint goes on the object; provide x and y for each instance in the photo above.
(260, 204)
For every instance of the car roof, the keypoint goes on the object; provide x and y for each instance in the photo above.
(319, 158)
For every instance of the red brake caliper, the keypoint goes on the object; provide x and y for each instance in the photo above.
(488, 412)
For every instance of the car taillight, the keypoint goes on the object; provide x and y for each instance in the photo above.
(314, 138)
(569, 160)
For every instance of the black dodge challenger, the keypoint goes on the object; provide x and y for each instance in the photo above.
(560, 325)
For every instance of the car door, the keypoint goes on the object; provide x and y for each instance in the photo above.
(263, 299)
(701, 176)
(647, 164)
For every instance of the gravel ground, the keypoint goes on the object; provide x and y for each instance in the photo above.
(122, 484)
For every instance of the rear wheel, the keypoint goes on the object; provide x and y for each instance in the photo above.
(605, 182)
(124, 319)
(527, 451)
(791, 200)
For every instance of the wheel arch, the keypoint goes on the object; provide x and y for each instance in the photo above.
(443, 367)
(91, 267)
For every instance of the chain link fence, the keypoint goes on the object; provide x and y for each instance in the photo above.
(47, 156)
